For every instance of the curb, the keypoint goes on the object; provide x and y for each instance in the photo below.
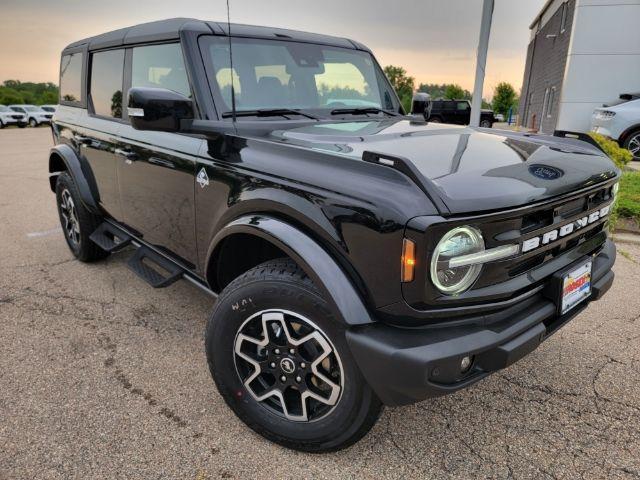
(631, 238)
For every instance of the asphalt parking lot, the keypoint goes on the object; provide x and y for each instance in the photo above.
(103, 377)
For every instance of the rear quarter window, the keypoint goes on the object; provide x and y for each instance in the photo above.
(71, 79)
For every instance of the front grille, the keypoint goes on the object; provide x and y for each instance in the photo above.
(17, 117)
(515, 276)
(536, 223)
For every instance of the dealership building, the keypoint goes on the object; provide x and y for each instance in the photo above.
(582, 54)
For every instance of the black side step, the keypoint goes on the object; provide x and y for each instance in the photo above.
(109, 238)
(142, 263)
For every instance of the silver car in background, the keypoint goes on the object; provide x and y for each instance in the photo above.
(35, 115)
(9, 117)
(49, 108)
(620, 121)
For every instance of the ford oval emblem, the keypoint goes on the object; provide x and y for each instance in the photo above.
(545, 172)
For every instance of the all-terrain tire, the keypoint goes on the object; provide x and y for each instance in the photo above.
(280, 289)
(84, 222)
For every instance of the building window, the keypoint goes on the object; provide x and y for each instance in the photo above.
(563, 19)
(545, 103)
(550, 100)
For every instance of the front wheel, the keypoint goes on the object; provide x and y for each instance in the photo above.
(33, 122)
(486, 124)
(280, 360)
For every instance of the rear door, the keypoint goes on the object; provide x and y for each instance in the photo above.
(96, 136)
(463, 113)
(156, 170)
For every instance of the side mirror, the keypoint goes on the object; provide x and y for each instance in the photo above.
(158, 109)
(421, 105)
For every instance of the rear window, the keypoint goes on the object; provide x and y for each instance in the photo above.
(71, 78)
(106, 83)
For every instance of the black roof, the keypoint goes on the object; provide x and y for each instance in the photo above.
(170, 29)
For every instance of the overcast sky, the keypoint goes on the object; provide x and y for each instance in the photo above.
(434, 40)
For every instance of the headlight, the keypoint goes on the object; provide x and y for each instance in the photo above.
(459, 256)
(604, 114)
(614, 190)
(458, 242)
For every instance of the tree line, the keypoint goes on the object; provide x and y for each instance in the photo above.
(15, 91)
(504, 95)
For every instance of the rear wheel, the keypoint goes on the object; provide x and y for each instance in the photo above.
(281, 362)
(435, 120)
(485, 124)
(632, 143)
(77, 222)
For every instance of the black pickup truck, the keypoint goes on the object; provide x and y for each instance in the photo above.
(360, 257)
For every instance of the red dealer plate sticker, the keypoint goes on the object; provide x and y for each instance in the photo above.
(576, 286)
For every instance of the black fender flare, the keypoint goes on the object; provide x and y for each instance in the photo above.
(310, 256)
(82, 177)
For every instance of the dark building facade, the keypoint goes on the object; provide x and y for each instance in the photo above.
(545, 66)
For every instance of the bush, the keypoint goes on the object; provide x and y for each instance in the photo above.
(619, 155)
(629, 196)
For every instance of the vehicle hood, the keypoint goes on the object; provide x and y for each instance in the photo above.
(471, 170)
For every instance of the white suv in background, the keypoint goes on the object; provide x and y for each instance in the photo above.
(620, 121)
(9, 117)
(35, 115)
(49, 108)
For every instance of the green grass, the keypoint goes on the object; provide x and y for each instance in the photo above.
(629, 196)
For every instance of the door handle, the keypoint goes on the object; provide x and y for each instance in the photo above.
(162, 162)
(129, 155)
(82, 140)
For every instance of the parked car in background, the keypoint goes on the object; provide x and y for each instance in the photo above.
(35, 115)
(620, 121)
(459, 112)
(499, 117)
(49, 108)
(9, 117)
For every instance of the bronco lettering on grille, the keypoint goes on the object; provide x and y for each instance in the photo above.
(564, 230)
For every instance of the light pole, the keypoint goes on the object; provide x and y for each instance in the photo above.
(481, 61)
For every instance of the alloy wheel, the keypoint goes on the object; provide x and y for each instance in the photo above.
(634, 146)
(288, 365)
(71, 224)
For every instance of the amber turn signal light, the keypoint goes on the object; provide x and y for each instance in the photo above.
(408, 260)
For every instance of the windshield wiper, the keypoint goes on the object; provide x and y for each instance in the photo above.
(361, 111)
(268, 112)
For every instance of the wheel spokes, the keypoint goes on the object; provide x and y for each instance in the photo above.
(279, 362)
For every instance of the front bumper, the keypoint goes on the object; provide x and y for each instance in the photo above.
(406, 365)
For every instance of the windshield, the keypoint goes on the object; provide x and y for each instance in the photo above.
(31, 108)
(273, 74)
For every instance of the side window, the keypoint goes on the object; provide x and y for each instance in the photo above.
(71, 78)
(106, 83)
(448, 106)
(160, 66)
(550, 101)
(563, 18)
(462, 106)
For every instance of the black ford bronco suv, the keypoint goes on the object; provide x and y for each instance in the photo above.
(360, 257)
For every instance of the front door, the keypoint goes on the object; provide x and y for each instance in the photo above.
(156, 170)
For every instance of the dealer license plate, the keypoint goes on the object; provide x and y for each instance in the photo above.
(576, 286)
